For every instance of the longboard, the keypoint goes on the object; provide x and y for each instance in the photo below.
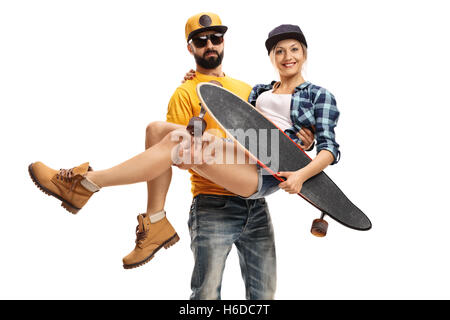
(238, 117)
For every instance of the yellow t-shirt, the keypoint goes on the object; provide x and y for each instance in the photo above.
(185, 104)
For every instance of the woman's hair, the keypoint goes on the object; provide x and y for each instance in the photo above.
(305, 51)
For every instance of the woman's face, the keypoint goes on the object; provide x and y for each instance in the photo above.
(287, 57)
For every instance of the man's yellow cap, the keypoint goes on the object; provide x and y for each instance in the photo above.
(201, 22)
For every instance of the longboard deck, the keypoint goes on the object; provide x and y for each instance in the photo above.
(237, 116)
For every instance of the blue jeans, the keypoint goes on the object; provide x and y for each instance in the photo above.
(215, 224)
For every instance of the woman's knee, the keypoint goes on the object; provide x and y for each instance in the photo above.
(154, 131)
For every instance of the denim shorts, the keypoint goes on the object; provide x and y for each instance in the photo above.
(267, 184)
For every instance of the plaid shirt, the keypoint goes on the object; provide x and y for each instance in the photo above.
(311, 107)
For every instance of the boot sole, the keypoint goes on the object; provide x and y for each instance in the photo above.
(167, 244)
(65, 204)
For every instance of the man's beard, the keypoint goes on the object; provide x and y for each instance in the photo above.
(211, 62)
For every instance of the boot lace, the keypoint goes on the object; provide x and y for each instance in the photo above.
(140, 236)
(66, 175)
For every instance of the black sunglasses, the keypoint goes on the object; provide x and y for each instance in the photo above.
(201, 41)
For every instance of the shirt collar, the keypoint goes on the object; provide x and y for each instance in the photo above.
(302, 86)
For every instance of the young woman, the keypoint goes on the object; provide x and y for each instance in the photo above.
(292, 103)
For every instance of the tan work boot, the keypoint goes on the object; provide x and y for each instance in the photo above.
(152, 233)
(69, 186)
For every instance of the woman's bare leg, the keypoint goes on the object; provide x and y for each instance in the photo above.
(241, 179)
(145, 166)
(157, 188)
(238, 178)
(232, 170)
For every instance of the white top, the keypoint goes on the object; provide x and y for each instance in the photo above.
(276, 107)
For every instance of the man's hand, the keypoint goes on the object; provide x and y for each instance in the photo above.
(185, 158)
(195, 151)
(307, 138)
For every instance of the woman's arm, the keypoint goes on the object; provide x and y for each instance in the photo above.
(295, 179)
(326, 116)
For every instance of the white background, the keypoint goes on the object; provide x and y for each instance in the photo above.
(80, 80)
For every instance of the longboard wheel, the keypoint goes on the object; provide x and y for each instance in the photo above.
(319, 228)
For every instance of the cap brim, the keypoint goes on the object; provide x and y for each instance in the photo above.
(221, 29)
(272, 41)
